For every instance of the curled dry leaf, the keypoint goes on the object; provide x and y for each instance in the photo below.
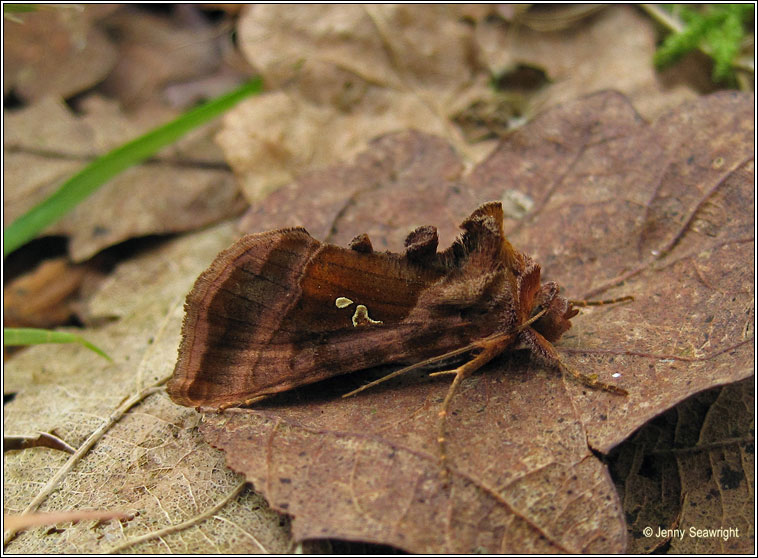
(586, 183)
(396, 46)
(43, 297)
(156, 51)
(691, 467)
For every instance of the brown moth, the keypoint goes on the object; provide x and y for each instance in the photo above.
(279, 309)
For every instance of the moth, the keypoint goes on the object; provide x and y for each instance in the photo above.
(279, 309)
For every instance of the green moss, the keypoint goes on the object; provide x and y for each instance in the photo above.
(716, 29)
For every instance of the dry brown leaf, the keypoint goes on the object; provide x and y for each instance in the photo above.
(187, 186)
(585, 182)
(400, 167)
(55, 51)
(613, 50)
(690, 469)
(151, 463)
(342, 75)
(154, 51)
(346, 74)
(154, 462)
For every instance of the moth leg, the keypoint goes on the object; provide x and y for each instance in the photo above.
(225, 406)
(544, 351)
(583, 303)
(590, 380)
(490, 349)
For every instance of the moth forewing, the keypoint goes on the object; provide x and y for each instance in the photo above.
(265, 317)
(279, 310)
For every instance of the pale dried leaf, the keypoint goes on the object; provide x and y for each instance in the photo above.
(152, 463)
(348, 73)
(611, 51)
(690, 469)
(717, 482)
(56, 51)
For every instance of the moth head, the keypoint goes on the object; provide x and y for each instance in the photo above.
(559, 311)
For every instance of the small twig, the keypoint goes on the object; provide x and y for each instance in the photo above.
(663, 17)
(25, 521)
(42, 439)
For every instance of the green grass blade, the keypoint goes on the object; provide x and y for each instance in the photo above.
(83, 183)
(19, 8)
(14, 336)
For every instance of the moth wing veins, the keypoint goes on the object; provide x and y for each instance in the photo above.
(235, 307)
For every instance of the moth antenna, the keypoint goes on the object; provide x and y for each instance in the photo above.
(582, 303)
(531, 320)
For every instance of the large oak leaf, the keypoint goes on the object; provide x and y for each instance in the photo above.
(609, 205)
